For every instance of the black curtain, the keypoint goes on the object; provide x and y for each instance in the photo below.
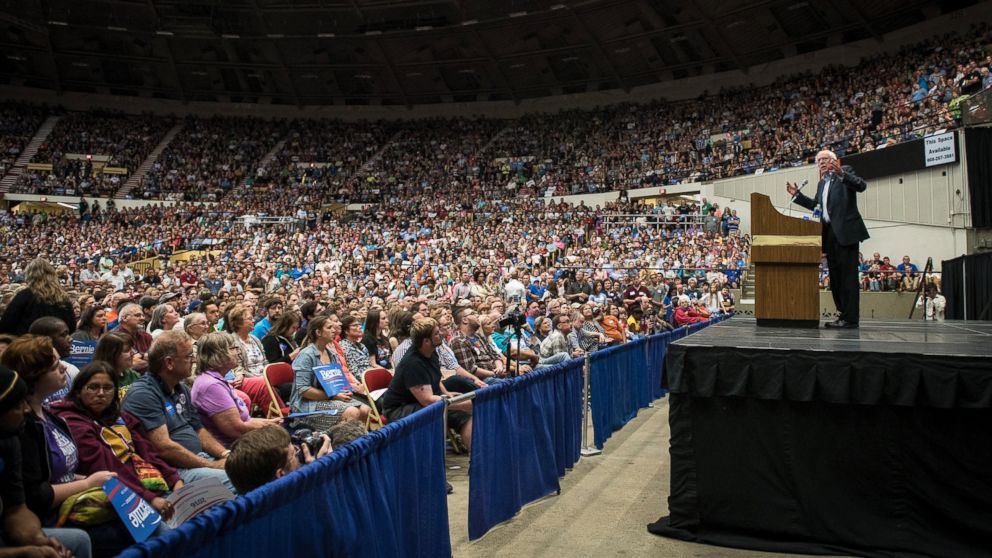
(966, 283)
(978, 146)
(878, 481)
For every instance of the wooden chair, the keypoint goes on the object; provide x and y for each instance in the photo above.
(375, 379)
(275, 374)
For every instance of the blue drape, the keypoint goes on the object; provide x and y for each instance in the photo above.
(381, 495)
(627, 377)
(657, 348)
(619, 385)
(525, 433)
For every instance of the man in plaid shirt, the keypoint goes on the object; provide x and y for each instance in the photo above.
(467, 347)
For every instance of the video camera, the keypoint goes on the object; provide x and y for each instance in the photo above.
(308, 438)
(513, 317)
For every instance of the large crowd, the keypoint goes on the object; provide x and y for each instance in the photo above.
(80, 141)
(196, 330)
(18, 122)
(886, 99)
(400, 291)
(208, 158)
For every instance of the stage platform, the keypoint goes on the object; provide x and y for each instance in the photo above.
(965, 339)
(873, 442)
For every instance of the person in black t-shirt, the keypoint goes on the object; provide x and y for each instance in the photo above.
(417, 382)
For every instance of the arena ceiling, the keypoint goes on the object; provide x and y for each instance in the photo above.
(407, 52)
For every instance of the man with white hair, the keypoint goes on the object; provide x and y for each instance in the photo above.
(843, 229)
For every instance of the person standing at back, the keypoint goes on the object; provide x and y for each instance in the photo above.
(42, 297)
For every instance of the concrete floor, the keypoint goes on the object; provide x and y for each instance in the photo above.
(604, 507)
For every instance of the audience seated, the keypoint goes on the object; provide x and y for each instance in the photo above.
(79, 141)
(18, 123)
(454, 231)
(208, 158)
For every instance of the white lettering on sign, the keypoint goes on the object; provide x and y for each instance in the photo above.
(940, 149)
(140, 514)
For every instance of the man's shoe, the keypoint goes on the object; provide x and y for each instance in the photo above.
(841, 324)
(450, 488)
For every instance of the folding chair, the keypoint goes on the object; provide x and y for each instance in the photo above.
(375, 379)
(275, 374)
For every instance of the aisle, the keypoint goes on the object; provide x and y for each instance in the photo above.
(603, 510)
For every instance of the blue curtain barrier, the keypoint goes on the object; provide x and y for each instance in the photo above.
(657, 349)
(381, 495)
(626, 378)
(525, 433)
(619, 385)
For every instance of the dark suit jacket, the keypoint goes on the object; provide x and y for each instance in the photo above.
(845, 219)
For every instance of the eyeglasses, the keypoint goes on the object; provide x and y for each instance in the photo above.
(96, 388)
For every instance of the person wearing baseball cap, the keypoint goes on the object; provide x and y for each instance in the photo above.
(21, 528)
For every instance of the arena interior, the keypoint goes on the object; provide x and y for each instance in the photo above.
(212, 211)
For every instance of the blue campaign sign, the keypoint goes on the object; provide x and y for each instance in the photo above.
(329, 412)
(81, 353)
(332, 379)
(138, 516)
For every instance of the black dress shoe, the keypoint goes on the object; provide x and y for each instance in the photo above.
(449, 488)
(841, 324)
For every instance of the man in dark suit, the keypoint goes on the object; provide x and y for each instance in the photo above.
(843, 228)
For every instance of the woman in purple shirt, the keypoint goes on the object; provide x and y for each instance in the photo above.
(221, 411)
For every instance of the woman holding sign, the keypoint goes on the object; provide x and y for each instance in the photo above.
(309, 393)
(112, 440)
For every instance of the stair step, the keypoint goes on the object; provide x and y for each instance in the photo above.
(272, 154)
(367, 165)
(136, 177)
(30, 150)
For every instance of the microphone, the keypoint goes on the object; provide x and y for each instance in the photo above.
(799, 189)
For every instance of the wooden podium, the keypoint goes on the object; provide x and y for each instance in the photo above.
(786, 254)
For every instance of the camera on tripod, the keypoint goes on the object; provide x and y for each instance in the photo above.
(513, 317)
